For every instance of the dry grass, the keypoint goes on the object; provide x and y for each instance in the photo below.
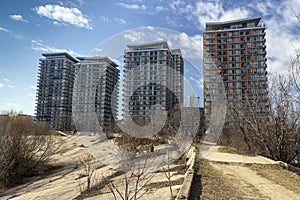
(226, 149)
(278, 175)
(215, 185)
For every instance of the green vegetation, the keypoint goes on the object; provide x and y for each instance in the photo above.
(226, 149)
(197, 145)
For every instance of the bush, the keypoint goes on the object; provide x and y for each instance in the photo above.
(22, 151)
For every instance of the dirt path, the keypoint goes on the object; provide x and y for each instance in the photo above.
(250, 182)
(255, 177)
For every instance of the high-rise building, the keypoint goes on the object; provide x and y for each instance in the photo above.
(153, 74)
(54, 90)
(178, 74)
(234, 61)
(95, 91)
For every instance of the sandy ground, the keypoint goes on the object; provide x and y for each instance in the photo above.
(235, 168)
(63, 184)
(248, 180)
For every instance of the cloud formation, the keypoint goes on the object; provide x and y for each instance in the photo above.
(121, 21)
(132, 6)
(4, 29)
(64, 15)
(215, 11)
(33, 87)
(1, 85)
(40, 46)
(17, 18)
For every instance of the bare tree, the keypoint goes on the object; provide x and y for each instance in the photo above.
(270, 127)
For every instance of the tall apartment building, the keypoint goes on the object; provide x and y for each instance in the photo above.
(95, 91)
(153, 74)
(234, 60)
(178, 74)
(54, 90)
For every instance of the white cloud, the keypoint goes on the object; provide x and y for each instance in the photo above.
(132, 6)
(181, 6)
(234, 13)
(173, 22)
(121, 21)
(99, 50)
(104, 18)
(150, 27)
(214, 11)
(33, 87)
(5, 79)
(10, 86)
(198, 82)
(64, 15)
(160, 8)
(17, 18)
(1, 85)
(81, 2)
(11, 104)
(116, 61)
(40, 46)
(191, 46)
(281, 27)
(176, 4)
(135, 36)
(56, 23)
(4, 30)
(31, 94)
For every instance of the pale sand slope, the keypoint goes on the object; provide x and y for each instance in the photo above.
(64, 183)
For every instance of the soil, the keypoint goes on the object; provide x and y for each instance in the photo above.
(228, 179)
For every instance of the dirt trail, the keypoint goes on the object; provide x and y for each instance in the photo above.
(238, 172)
(246, 179)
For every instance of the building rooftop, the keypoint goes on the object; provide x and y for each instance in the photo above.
(174, 51)
(99, 59)
(68, 56)
(221, 25)
(151, 45)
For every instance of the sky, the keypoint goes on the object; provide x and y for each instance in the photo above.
(29, 28)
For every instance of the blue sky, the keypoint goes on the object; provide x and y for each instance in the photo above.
(31, 27)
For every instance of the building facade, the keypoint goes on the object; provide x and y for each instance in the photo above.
(234, 57)
(153, 74)
(178, 75)
(95, 92)
(54, 90)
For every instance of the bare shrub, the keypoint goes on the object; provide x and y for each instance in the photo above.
(168, 175)
(23, 152)
(90, 166)
(133, 184)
